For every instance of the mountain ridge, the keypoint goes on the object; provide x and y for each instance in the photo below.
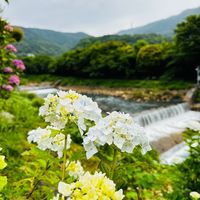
(164, 26)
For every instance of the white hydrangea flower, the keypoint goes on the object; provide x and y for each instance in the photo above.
(50, 104)
(42, 137)
(91, 187)
(85, 108)
(118, 129)
(45, 139)
(69, 106)
(65, 189)
(74, 169)
(89, 147)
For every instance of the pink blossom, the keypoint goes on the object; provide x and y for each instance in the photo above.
(14, 79)
(8, 87)
(8, 27)
(19, 64)
(11, 48)
(8, 70)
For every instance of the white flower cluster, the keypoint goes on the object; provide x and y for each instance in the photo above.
(118, 129)
(47, 139)
(74, 169)
(69, 106)
(58, 110)
(89, 187)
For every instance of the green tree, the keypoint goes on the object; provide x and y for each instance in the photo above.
(41, 64)
(188, 36)
(109, 59)
(187, 50)
(149, 60)
(139, 44)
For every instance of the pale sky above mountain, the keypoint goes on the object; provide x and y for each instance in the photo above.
(95, 17)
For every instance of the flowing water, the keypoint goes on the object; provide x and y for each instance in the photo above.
(106, 103)
(110, 103)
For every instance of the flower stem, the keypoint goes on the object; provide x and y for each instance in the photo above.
(64, 158)
(114, 164)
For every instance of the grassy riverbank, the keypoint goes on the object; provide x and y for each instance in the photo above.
(110, 83)
(136, 90)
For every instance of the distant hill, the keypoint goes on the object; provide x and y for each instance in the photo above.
(40, 41)
(164, 27)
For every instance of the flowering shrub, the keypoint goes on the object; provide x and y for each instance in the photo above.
(87, 186)
(10, 67)
(90, 187)
(118, 131)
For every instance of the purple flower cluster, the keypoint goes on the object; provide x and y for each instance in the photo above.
(11, 48)
(7, 70)
(19, 64)
(7, 87)
(14, 79)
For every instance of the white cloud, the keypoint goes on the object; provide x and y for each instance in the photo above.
(95, 17)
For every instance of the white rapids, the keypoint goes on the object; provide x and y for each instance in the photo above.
(163, 122)
(39, 91)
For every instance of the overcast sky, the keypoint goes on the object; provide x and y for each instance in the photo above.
(95, 17)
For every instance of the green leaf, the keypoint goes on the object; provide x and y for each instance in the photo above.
(3, 182)
(105, 168)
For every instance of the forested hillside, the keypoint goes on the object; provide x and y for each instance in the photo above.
(39, 41)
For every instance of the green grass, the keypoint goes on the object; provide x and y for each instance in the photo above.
(111, 83)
